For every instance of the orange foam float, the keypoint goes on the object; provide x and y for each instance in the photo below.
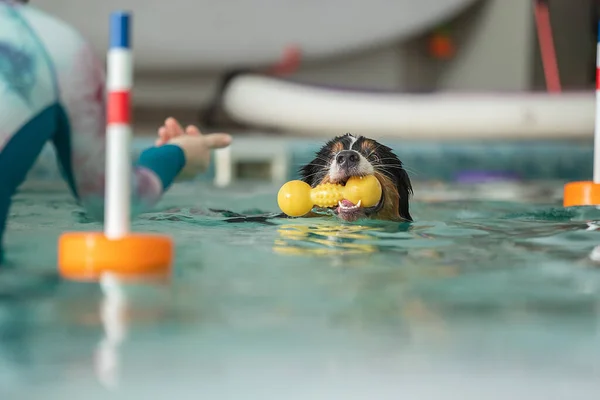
(582, 193)
(87, 255)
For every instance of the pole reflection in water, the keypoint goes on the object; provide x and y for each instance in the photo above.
(112, 314)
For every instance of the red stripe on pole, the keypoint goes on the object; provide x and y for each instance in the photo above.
(119, 108)
(597, 78)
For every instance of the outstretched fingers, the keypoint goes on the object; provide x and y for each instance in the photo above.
(171, 129)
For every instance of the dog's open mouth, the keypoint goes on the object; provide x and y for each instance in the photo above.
(349, 211)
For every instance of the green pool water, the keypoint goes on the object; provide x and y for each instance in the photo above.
(491, 293)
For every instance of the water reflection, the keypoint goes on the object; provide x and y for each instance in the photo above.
(325, 238)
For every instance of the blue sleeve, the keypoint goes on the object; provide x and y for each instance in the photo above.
(165, 161)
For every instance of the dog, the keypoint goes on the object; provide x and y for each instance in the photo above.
(349, 155)
(341, 158)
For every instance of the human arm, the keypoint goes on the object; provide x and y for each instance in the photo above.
(157, 167)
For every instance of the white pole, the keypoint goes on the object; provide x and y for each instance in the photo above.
(597, 123)
(118, 131)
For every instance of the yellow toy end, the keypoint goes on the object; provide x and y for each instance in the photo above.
(365, 189)
(294, 198)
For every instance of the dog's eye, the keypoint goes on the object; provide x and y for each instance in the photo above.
(374, 157)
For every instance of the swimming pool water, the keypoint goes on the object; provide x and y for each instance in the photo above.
(490, 293)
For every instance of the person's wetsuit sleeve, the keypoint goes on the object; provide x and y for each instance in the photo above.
(165, 161)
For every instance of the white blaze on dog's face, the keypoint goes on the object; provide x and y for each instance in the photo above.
(348, 162)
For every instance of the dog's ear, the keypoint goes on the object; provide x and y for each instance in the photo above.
(309, 172)
(394, 169)
(404, 187)
(316, 170)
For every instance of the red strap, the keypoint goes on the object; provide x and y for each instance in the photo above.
(544, 33)
(290, 61)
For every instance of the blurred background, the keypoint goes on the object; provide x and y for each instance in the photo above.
(183, 47)
(469, 90)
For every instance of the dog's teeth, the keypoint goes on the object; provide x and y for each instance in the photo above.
(353, 207)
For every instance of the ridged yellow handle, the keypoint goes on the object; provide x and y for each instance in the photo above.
(327, 195)
(297, 198)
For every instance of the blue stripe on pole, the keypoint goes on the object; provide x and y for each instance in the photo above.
(598, 32)
(120, 35)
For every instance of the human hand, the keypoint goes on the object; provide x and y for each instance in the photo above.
(195, 145)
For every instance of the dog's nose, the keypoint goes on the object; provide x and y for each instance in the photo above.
(347, 158)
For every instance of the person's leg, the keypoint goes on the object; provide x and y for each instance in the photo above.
(17, 157)
(27, 97)
(4, 207)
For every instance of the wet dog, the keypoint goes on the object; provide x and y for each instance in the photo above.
(338, 160)
(349, 155)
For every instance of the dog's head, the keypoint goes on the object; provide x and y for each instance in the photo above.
(348, 155)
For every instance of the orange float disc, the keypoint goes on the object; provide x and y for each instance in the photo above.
(87, 255)
(584, 193)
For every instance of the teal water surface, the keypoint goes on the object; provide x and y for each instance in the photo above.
(490, 293)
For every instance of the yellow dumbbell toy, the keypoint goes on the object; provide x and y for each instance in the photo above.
(297, 198)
